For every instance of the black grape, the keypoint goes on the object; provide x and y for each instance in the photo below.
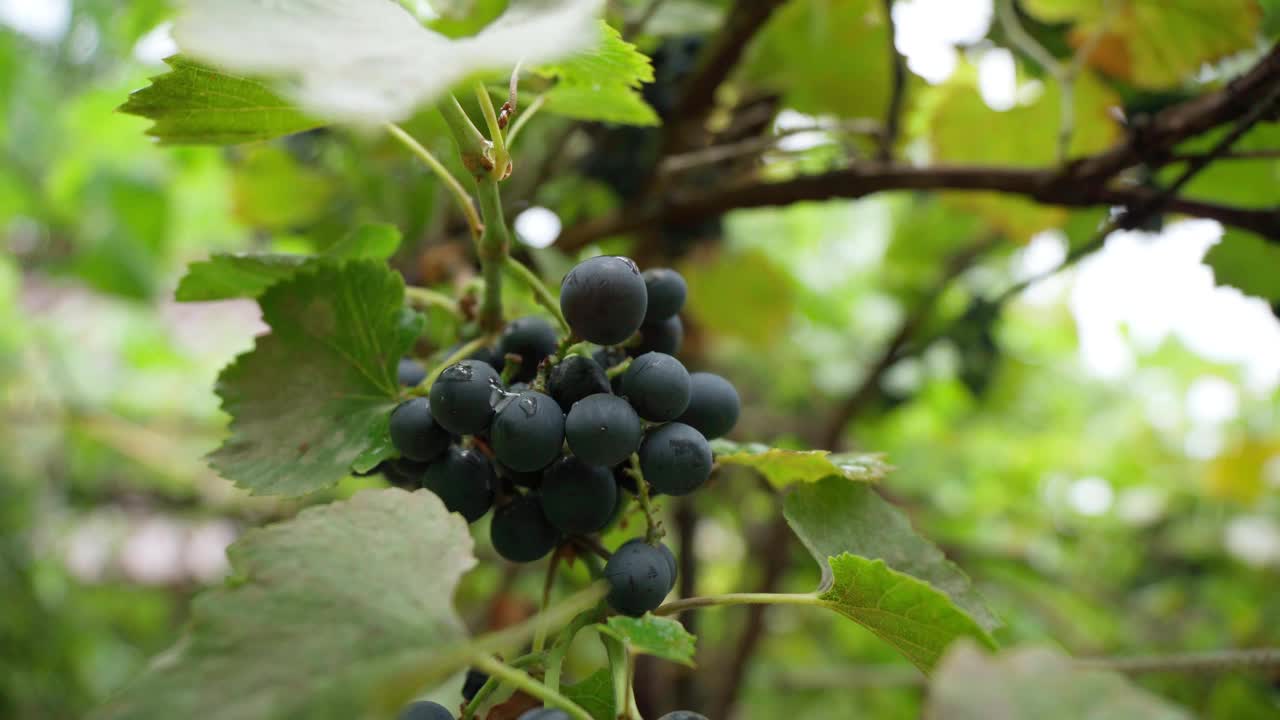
(531, 480)
(577, 497)
(410, 372)
(520, 531)
(683, 715)
(574, 378)
(713, 405)
(675, 459)
(528, 431)
(415, 432)
(464, 480)
(638, 578)
(532, 338)
(475, 680)
(603, 429)
(657, 385)
(425, 710)
(460, 397)
(664, 336)
(667, 290)
(604, 299)
(670, 557)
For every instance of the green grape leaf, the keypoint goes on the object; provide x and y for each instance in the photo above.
(305, 400)
(602, 84)
(785, 467)
(193, 104)
(1154, 44)
(594, 694)
(377, 241)
(1035, 683)
(247, 275)
(369, 62)
(908, 613)
(652, 635)
(236, 275)
(1246, 262)
(882, 574)
(346, 596)
(826, 57)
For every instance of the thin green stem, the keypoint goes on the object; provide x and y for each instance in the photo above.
(426, 297)
(679, 606)
(655, 531)
(540, 634)
(459, 193)
(456, 356)
(493, 253)
(633, 710)
(540, 291)
(523, 681)
(617, 653)
(618, 369)
(555, 656)
(469, 138)
(500, 156)
(493, 683)
(518, 125)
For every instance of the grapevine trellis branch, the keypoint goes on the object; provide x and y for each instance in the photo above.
(1089, 181)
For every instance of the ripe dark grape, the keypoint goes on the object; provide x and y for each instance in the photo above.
(713, 405)
(664, 336)
(604, 299)
(520, 531)
(657, 385)
(410, 372)
(464, 480)
(425, 710)
(475, 680)
(638, 578)
(683, 715)
(532, 338)
(574, 378)
(460, 397)
(670, 557)
(603, 429)
(675, 459)
(577, 497)
(667, 290)
(528, 431)
(415, 432)
(411, 469)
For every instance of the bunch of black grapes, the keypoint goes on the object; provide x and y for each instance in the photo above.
(552, 452)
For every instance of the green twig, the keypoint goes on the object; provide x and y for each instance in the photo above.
(655, 531)
(454, 357)
(523, 681)
(493, 683)
(555, 656)
(493, 253)
(618, 369)
(679, 606)
(617, 653)
(426, 297)
(540, 291)
(519, 124)
(540, 634)
(459, 193)
(501, 159)
(477, 153)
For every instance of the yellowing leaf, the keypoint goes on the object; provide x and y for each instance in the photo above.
(1155, 43)
(1239, 474)
(743, 295)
